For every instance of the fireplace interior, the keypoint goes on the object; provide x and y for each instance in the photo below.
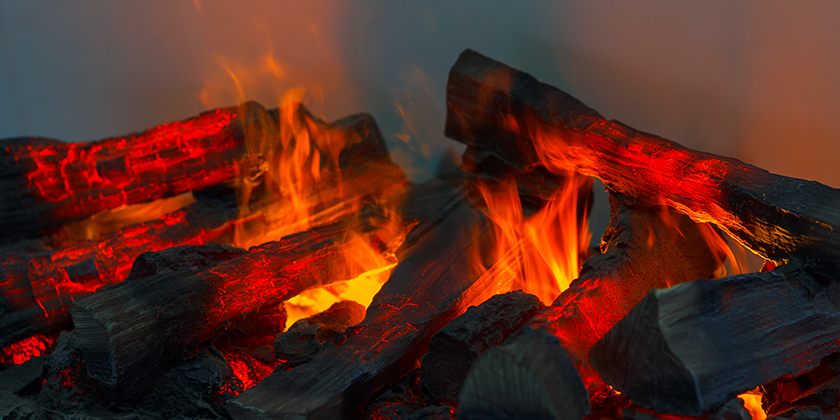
(263, 263)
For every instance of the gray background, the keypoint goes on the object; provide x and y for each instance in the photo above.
(757, 80)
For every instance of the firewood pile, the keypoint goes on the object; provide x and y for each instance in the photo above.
(171, 273)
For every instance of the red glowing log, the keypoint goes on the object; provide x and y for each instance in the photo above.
(129, 330)
(431, 286)
(529, 124)
(37, 290)
(643, 248)
(688, 349)
(46, 183)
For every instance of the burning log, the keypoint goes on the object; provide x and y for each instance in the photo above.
(128, 330)
(430, 286)
(37, 290)
(644, 247)
(46, 183)
(687, 349)
(528, 124)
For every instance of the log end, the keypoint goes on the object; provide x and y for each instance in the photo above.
(529, 377)
(635, 359)
(96, 344)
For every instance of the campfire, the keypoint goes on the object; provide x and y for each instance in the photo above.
(262, 263)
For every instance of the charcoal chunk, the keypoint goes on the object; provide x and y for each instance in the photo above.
(307, 337)
(454, 348)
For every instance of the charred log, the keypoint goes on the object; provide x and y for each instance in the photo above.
(818, 389)
(528, 124)
(37, 290)
(504, 385)
(129, 329)
(425, 291)
(687, 349)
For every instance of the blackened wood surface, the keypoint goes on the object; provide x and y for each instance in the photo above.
(689, 348)
(37, 290)
(504, 382)
(454, 348)
(527, 124)
(425, 291)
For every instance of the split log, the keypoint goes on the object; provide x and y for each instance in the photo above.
(429, 288)
(687, 349)
(528, 124)
(504, 384)
(46, 183)
(644, 247)
(130, 329)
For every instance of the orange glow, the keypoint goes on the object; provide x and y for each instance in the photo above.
(752, 402)
(110, 221)
(539, 254)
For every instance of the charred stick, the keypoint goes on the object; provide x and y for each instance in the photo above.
(687, 349)
(529, 124)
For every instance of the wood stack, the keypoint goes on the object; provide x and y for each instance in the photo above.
(644, 317)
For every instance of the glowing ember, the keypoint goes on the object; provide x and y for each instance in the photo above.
(26, 349)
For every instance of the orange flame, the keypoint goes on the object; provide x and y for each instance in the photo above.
(539, 254)
(294, 183)
(752, 402)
